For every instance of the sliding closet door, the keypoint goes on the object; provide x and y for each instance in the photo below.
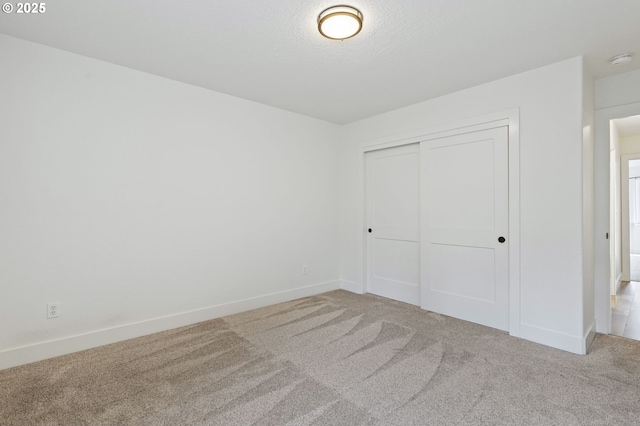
(393, 262)
(464, 210)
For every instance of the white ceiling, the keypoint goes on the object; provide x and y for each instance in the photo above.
(271, 52)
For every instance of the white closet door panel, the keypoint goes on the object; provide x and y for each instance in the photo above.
(393, 260)
(464, 208)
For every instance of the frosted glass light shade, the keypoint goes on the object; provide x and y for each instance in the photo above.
(340, 22)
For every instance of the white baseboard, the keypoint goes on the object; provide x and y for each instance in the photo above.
(351, 286)
(566, 342)
(66, 345)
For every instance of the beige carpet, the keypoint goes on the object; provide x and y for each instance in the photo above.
(333, 359)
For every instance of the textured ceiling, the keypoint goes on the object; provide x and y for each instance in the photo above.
(271, 52)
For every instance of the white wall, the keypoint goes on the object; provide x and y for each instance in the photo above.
(127, 197)
(620, 89)
(550, 100)
(615, 97)
(630, 144)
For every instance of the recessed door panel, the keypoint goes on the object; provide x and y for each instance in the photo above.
(465, 183)
(463, 271)
(396, 260)
(395, 182)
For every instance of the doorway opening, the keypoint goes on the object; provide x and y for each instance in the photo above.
(634, 220)
(625, 226)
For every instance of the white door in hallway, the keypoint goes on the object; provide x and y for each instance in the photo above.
(392, 209)
(464, 205)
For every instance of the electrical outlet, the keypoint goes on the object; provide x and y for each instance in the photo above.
(305, 270)
(53, 310)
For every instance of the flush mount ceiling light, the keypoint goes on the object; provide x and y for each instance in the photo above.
(340, 22)
(621, 59)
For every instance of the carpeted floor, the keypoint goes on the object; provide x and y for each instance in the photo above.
(332, 359)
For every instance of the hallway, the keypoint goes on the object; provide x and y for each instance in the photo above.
(625, 314)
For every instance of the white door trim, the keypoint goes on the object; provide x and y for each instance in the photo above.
(510, 118)
(601, 214)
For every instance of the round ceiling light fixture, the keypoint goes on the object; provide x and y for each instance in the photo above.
(622, 59)
(340, 22)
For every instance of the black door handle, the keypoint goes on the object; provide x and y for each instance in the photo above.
(370, 230)
(501, 240)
